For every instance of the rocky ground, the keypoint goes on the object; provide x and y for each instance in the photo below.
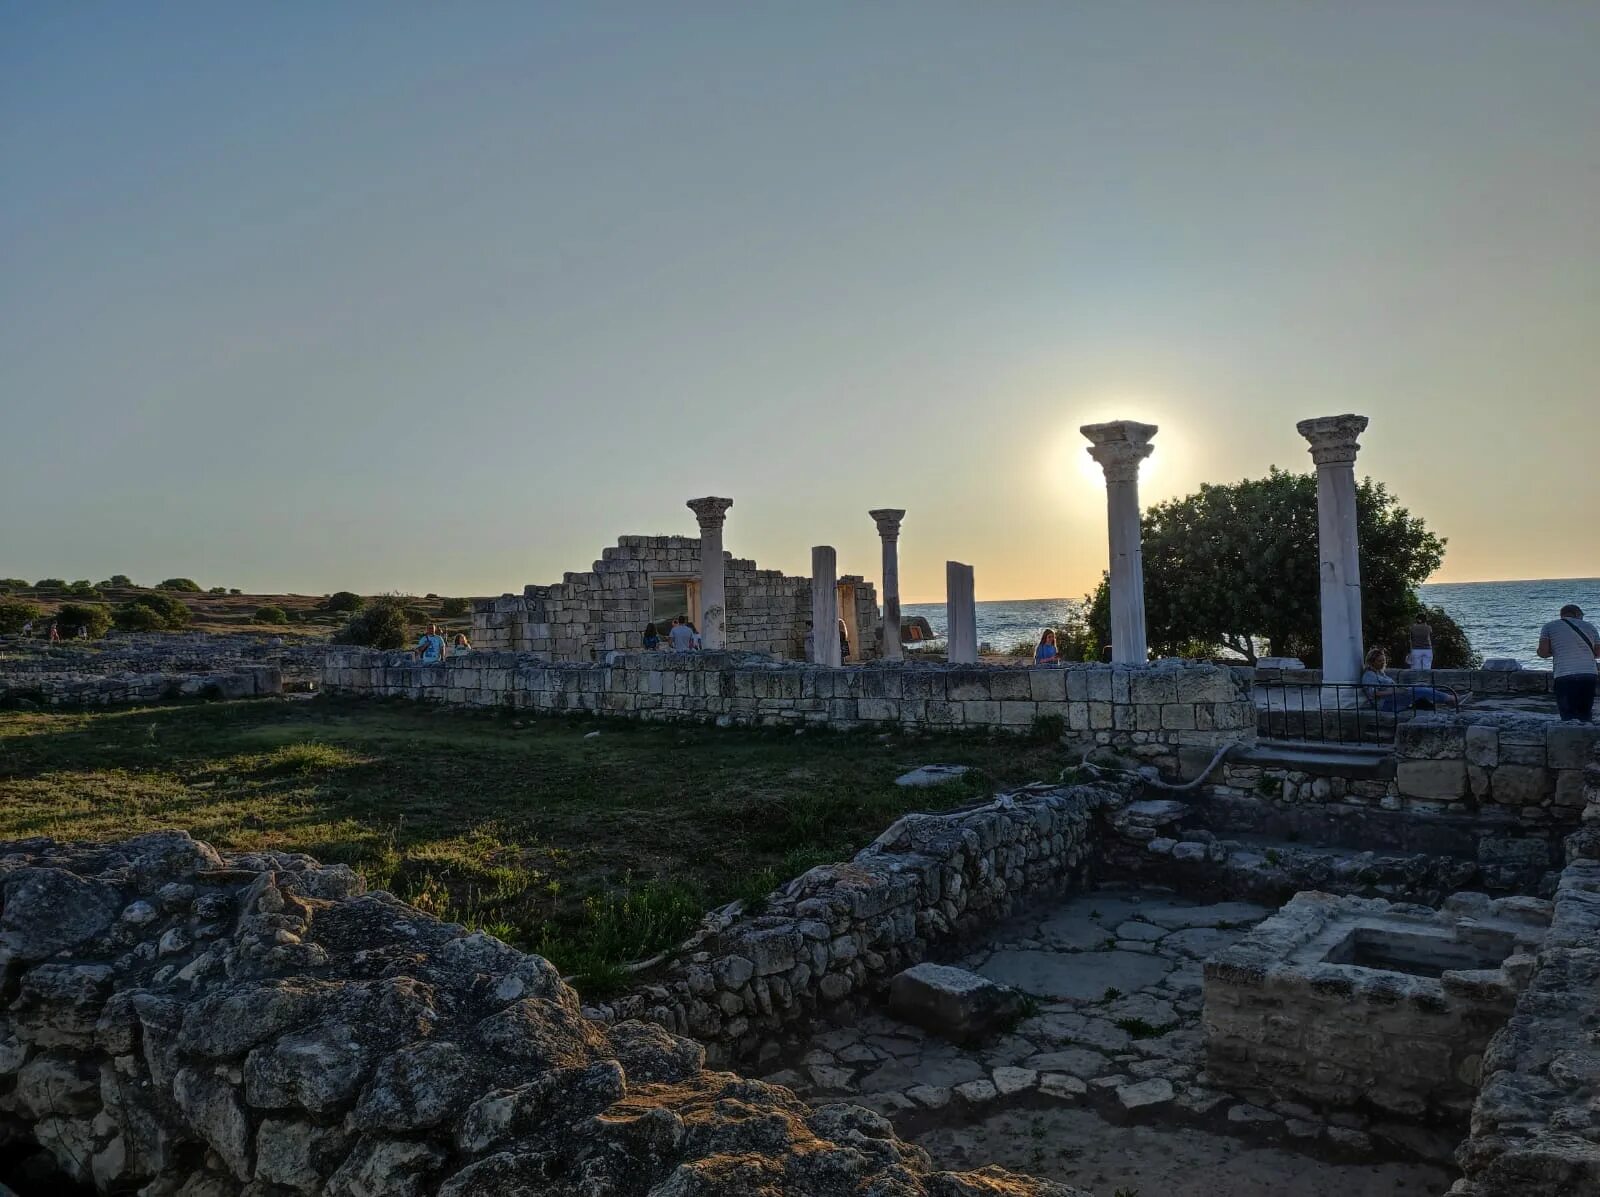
(1103, 1084)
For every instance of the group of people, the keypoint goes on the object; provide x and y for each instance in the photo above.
(682, 636)
(432, 649)
(54, 635)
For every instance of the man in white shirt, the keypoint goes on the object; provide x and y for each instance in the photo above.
(682, 636)
(1572, 643)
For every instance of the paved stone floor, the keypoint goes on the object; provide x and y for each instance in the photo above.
(1103, 1084)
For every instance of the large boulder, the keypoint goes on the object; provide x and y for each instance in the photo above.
(953, 1002)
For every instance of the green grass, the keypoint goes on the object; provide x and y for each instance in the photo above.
(593, 851)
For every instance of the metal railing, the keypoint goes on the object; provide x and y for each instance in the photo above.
(1343, 712)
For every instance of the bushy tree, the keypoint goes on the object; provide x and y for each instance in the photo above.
(217, 591)
(83, 589)
(96, 617)
(50, 584)
(118, 581)
(271, 615)
(16, 612)
(455, 608)
(343, 600)
(187, 585)
(153, 612)
(1236, 566)
(380, 624)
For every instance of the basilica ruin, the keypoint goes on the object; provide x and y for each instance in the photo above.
(1367, 961)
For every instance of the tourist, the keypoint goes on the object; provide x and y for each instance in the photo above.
(1046, 653)
(55, 633)
(430, 646)
(1382, 689)
(1572, 644)
(1421, 656)
(689, 623)
(461, 644)
(651, 638)
(27, 629)
(83, 631)
(681, 637)
(811, 642)
(844, 642)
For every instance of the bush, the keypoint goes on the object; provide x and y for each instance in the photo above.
(217, 591)
(96, 617)
(344, 600)
(13, 584)
(50, 584)
(120, 581)
(381, 624)
(455, 608)
(271, 615)
(154, 612)
(234, 590)
(187, 585)
(83, 589)
(16, 612)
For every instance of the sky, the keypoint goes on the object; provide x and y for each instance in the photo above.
(444, 298)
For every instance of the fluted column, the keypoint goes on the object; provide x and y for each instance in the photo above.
(960, 614)
(888, 521)
(825, 606)
(1119, 447)
(1333, 448)
(711, 512)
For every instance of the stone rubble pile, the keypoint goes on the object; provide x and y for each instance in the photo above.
(185, 1024)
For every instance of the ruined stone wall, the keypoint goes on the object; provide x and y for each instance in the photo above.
(1171, 714)
(176, 1021)
(838, 933)
(605, 610)
(96, 689)
(1462, 681)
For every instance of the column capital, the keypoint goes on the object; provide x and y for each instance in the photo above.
(888, 521)
(710, 511)
(1333, 438)
(1119, 447)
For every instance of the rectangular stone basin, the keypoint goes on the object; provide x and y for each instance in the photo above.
(1357, 1003)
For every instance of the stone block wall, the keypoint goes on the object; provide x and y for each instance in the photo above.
(605, 609)
(837, 934)
(1169, 714)
(175, 1021)
(1527, 765)
(1462, 681)
(94, 690)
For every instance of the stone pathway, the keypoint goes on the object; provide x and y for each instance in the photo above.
(1111, 1051)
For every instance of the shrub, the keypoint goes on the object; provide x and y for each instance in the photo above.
(344, 600)
(381, 624)
(234, 590)
(13, 584)
(96, 617)
(154, 612)
(83, 589)
(16, 612)
(455, 608)
(271, 615)
(120, 581)
(216, 591)
(50, 584)
(187, 585)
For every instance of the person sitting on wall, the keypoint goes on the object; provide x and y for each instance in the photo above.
(651, 638)
(461, 644)
(681, 636)
(1573, 643)
(430, 646)
(1381, 688)
(1046, 653)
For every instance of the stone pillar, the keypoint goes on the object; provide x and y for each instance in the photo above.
(1119, 447)
(713, 592)
(1333, 448)
(825, 606)
(960, 614)
(888, 521)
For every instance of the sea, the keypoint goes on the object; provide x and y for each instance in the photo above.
(1502, 619)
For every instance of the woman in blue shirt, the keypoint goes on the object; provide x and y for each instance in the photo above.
(1046, 653)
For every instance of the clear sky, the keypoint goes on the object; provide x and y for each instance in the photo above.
(309, 296)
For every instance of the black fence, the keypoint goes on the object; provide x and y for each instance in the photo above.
(1343, 712)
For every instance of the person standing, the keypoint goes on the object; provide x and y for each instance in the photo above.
(844, 642)
(1572, 644)
(651, 638)
(1046, 653)
(682, 635)
(1421, 642)
(430, 646)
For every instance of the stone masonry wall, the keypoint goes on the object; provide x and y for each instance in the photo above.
(80, 690)
(604, 610)
(1170, 714)
(1462, 681)
(837, 934)
(177, 1022)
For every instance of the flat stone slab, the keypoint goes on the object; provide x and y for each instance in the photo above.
(932, 775)
(1201, 942)
(1176, 916)
(1079, 977)
(952, 1002)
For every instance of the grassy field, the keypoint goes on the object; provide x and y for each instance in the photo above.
(593, 850)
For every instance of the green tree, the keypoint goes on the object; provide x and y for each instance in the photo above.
(94, 616)
(271, 615)
(383, 623)
(455, 608)
(187, 585)
(16, 612)
(343, 600)
(153, 612)
(1235, 566)
(50, 584)
(118, 581)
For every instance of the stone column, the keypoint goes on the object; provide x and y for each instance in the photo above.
(1119, 447)
(825, 606)
(713, 593)
(1333, 448)
(888, 521)
(960, 614)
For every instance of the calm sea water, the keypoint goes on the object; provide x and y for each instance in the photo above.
(1502, 618)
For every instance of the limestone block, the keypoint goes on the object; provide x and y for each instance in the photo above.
(952, 1002)
(1018, 714)
(1011, 684)
(1077, 678)
(1482, 745)
(1178, 716)
(1426, 739)
(1435, 780)
(981, 713)
(1522, 785)
(1569, 790)
(1047, 685)
(1571, 746)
